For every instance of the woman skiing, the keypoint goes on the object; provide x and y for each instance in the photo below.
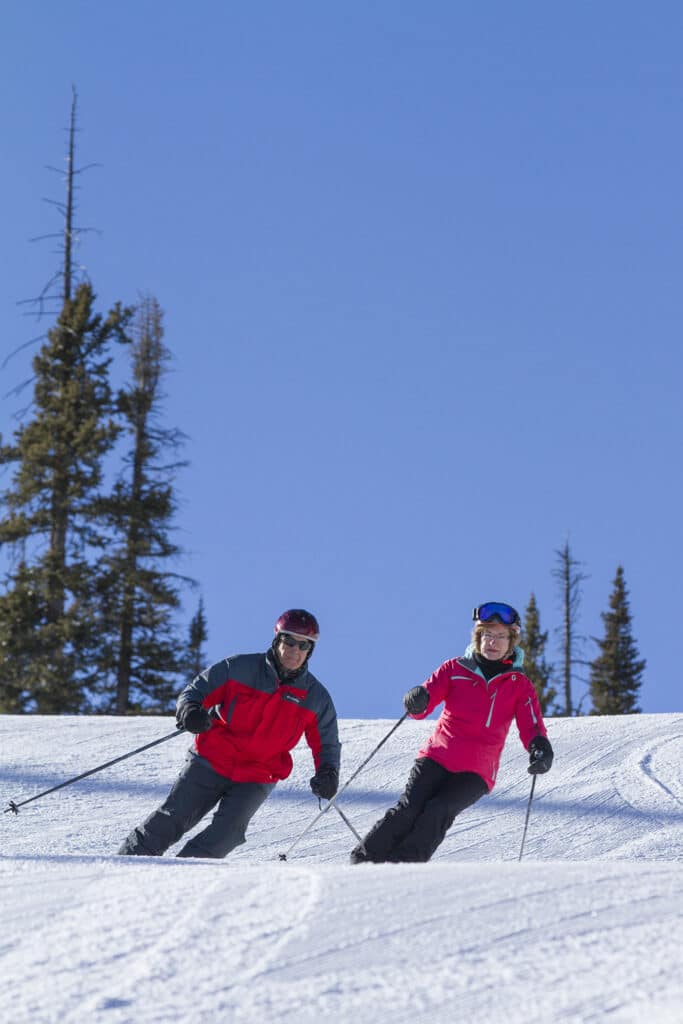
(482, 692)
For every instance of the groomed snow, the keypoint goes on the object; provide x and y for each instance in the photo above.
(588, 928)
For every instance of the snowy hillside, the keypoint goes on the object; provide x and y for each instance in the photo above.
(587, 928)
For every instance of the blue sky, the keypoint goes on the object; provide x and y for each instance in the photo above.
(420, 266)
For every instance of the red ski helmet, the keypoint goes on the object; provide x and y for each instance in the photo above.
(299, 623)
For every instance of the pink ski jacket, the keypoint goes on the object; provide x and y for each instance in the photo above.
(471, 731)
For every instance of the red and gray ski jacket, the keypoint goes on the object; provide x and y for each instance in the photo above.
(471, 731)
(261, 719)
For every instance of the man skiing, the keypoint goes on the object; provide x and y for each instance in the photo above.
(247, 713)
(482, 692)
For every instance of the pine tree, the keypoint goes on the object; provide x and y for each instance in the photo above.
(616, 673)
(20, 617)
(198, 635)
(48, 515)
(538, 670)
(51, 508)
(140, 656)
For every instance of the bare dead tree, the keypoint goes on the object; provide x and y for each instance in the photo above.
(51, 299)
(570, 579)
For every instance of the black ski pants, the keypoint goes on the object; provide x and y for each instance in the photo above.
(416, 826)
(196, 791)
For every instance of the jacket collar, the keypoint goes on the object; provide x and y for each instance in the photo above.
(469, 661)
(298, 677)
(468, 657)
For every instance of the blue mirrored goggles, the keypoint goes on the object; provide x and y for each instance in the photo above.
(492, 610)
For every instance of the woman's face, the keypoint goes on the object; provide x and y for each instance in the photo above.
(494, 641)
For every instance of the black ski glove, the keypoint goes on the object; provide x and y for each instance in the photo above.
(194, 718)
(540, 755)
(416, 700)
(325, 782)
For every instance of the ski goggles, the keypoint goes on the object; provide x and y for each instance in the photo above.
(290, 641)
(492, 610)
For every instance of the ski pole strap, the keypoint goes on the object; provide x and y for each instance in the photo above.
(14, 807)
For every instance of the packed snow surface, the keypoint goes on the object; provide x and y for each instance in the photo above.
(587, 928)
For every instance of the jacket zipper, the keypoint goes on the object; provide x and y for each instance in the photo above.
(493, 701)
(533, 713)
(229, 712)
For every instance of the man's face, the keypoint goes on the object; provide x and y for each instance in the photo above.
(289, 651)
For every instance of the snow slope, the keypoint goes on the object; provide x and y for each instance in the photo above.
(589, 926)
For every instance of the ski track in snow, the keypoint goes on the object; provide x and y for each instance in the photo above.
(586, 929)
(649, 766)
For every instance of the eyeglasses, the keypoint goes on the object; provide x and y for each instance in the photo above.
(289, 641)
(493, 610)
(495, 638)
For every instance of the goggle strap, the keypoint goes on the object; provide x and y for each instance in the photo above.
(297, 636)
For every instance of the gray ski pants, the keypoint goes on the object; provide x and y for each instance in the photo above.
(197, 790)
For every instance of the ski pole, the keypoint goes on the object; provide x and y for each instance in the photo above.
(346, 821)
(343, 818)
(14, 807)
(332, 802)
(528, 811)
